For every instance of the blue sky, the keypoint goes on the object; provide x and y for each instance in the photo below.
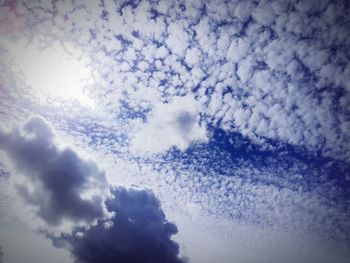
(217, 131)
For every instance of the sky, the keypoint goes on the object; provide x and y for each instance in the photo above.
(164, 131)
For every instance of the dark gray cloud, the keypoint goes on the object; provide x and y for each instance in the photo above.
(1, 255)
(139, 232)
(59, 177)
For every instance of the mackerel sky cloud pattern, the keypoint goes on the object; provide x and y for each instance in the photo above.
(235, 114)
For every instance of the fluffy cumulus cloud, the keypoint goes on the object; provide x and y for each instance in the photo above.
(138, 232)
(57, 179)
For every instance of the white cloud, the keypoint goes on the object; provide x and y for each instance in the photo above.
(237, 50)
(264, 14)
(176, 123)
(245, 69)
(193, 56)
(178, 38)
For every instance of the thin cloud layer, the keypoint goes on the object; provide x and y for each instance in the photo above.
(57, 179)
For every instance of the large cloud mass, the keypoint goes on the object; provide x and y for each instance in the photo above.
(57, 178)
(1, 255)
(138, 232)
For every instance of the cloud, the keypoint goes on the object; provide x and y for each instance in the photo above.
(59, 183)
(176, 123)
(138, 232)
(1, 255)
(251, 68)
(228, 44)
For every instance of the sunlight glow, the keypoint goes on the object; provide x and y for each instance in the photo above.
(55, 71)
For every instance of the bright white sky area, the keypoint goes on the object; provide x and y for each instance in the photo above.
(56, 70)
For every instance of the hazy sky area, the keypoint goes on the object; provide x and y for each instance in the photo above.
(186, 131)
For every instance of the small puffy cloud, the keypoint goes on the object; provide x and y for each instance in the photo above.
(59, 183)
(237, 50)
(243, 10)
(176, 123)
(178, 39)
(161, 53)
(193, 56)
(264, 14)
(138, 232)
(245, 69)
